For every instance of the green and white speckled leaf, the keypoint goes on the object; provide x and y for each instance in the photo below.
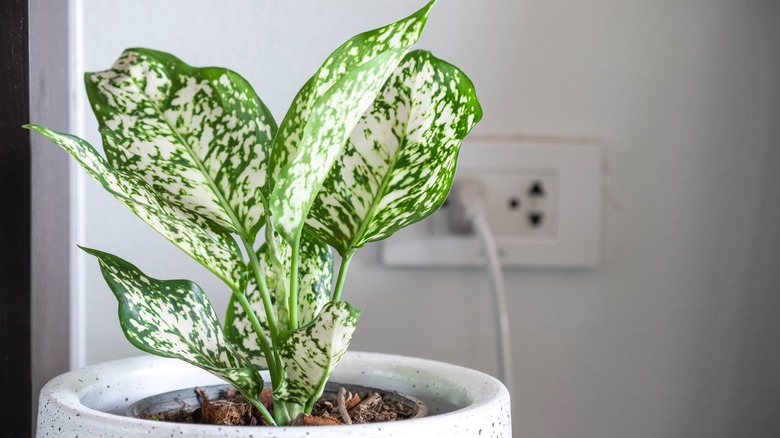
(214, 249)
(315, 274)
(324, 112)
(353, 53)
(398, 165)
(173, 318)
(200, 137)
(310, 353)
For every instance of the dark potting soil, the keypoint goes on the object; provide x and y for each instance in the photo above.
(231, 408)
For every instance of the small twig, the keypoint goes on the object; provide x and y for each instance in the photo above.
(366, 404)
(342, 407)
(202, 395)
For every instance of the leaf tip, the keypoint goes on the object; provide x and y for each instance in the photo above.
(90, 251)
(33, 127)
(425, 11)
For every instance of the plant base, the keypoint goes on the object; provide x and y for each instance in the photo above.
(223, 405)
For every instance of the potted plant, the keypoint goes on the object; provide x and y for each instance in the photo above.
(368, 146)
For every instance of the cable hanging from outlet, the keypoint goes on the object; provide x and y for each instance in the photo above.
(467, 216)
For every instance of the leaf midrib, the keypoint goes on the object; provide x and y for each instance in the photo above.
(201, 167)
(380, 194)
(386, 179)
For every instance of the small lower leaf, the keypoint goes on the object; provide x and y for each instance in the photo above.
(310, 353)
(174, 318)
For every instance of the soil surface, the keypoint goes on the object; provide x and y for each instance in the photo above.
(231, 408)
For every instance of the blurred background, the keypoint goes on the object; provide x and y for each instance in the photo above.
(674, 334)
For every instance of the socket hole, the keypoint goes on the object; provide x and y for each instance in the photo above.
(514, 203)
(536, 189)
(536, 218)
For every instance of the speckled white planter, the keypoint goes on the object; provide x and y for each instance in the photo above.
(90, 402)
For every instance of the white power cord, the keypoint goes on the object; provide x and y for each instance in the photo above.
(468, 215)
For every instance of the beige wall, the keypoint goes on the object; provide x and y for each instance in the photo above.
(675, 336)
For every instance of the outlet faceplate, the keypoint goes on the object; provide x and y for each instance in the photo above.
(518, 203)
(542, 198)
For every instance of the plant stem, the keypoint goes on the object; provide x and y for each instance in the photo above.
(292, 298)
(281, 414)
(342, 275)
(267, 351)
(271, 359)
(267, 305)
(293, 410)
(263, 411)
(320, 389)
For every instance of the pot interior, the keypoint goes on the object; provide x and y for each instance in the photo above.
(186, 400)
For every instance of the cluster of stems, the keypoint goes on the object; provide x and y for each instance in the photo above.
(284, 412)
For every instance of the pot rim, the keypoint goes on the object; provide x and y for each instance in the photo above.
(77, 392)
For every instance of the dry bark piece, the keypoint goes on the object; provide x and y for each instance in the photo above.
(362, 412)
(351, 401)
(366, 404)
(310, 420)
(230, 409)
(342, 406)
(227, 412)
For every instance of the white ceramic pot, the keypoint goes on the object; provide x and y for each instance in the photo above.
(91, 402)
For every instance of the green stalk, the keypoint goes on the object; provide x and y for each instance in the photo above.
(318, 392)
(263, 411)
(274, 364)
(310, 405)
(281, 414)
(294, 410)
(267, 351)
(267, 305)
(342, 275)
(292, 298)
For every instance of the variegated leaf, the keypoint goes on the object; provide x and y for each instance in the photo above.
(324, 112)
(398, 165)
(315, 274)
(200, 137)
(174, 318)
(310, 353)
(353, 53)
(214, 249)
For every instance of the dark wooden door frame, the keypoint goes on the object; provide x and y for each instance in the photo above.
(34, 228)
(15, 215)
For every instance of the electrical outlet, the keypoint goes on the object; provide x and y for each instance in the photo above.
(542, 200)
(518, 203)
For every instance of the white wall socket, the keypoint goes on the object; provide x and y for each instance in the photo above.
(542, 198)
(521, 202)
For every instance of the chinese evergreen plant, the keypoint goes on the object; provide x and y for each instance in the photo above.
(368, 146)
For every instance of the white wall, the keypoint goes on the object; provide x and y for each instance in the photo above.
(675, 336)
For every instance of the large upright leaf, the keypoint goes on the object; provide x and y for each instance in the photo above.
(173, 318)
(315, 274)
(310, 353)
(324, 112)
(398, 165)
(214, 249)
(200, 137)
